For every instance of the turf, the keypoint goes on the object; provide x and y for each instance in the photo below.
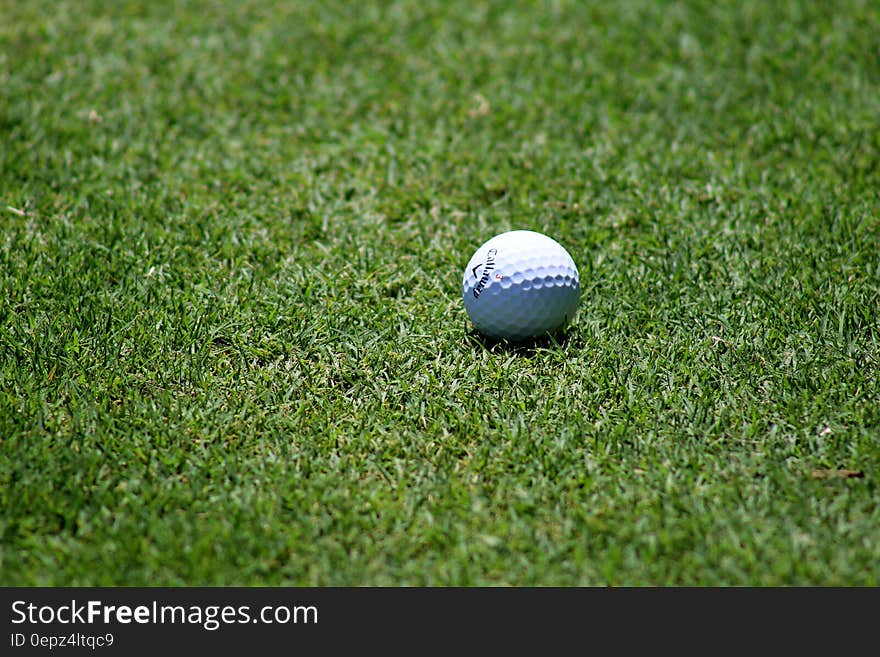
(232, 345)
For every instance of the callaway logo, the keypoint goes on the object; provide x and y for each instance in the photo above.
(488, 266)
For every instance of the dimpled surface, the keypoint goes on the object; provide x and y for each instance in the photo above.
(520, 284)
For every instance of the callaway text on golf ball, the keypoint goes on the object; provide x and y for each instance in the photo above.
(519, 285)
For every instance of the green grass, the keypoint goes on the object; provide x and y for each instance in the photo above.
(232, 345)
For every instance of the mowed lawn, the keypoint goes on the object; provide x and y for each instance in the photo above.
(233, 349)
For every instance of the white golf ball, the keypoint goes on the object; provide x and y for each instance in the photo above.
(519, 285)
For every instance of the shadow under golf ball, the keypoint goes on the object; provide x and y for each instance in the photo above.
(562, 338)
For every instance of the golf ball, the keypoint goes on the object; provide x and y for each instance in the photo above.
(519, 285)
